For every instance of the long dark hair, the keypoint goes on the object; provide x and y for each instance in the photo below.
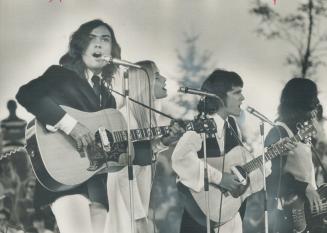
(79, 41)
(219, 82)
(298, 99)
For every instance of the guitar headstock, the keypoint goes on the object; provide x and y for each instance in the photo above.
(207, 126)
(306, 130)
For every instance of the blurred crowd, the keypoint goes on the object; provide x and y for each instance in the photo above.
(17, 213)
(17, 182)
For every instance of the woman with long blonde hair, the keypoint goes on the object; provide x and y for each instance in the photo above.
(144, 87)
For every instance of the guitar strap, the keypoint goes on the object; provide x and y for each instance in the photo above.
(299, 164)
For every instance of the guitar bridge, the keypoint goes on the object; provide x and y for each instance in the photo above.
(95, 156)
(94, 165)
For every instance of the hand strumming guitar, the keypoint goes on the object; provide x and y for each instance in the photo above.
(313, 197)
(231, 183)
(82, 136)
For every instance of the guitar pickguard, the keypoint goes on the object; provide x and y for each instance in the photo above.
(98, 156)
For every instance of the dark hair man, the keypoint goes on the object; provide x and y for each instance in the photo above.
(187, 157)
(83, 209)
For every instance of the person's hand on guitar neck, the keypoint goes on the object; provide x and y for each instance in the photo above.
(313, 197)
(176, 131)
(82, 136)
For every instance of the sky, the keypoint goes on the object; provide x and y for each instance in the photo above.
(35, 33)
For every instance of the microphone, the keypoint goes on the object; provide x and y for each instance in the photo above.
(120, 62)
(259, 115)
(196, 92)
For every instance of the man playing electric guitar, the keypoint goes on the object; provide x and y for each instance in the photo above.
(292, 182)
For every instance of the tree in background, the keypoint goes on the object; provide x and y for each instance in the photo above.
(194, 66)
(166, 207)
(303, 30)
(306, 33)
(193, 63)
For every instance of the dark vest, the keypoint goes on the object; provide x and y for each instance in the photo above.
(231, 141)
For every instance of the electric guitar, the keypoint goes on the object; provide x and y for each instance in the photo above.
(240, 162)
(305, 219)
(59, 166)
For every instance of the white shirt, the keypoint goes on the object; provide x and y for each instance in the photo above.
(89, 74)
(186, 163)
(220, 135)
(190, 168)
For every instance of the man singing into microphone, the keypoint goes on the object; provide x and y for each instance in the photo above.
(77, 83)
(187, 159)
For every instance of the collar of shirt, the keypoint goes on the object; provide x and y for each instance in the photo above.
(220, 135)
(220, 123)
(89, 74)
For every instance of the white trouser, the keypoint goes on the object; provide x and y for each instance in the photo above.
(232, 226)
(76, 214)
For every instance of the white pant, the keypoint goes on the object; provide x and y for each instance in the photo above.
(76, 214)
(232, 226)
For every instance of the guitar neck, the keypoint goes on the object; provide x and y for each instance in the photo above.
(141, 134)
(272, 152)
(146, 133)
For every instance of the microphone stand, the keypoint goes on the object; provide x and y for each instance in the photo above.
(206, 178)
(262, 125)
(263, 120)
(130, 161)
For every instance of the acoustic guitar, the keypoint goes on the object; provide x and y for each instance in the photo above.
(59, 166)
(240, 161)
